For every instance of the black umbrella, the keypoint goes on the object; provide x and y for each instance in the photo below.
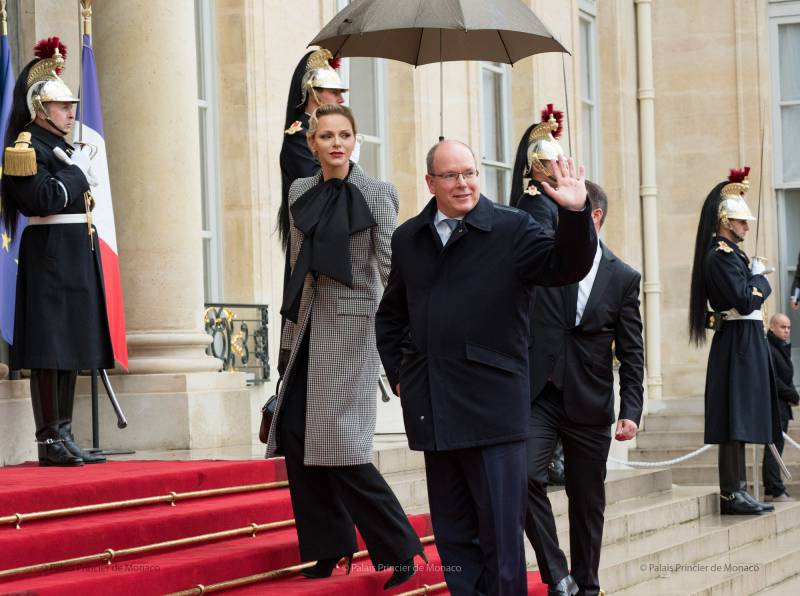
(427, 31)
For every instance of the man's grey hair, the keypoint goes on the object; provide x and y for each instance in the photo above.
(432, 153)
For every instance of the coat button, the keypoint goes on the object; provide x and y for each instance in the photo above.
(422, 417)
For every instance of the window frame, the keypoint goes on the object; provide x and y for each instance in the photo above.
(380, 103)
(210, 233)
(587, 13)
(504, 116)
(781, 12)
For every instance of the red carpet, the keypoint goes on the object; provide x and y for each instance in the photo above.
(29, 488)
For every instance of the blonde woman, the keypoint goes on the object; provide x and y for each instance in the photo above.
(341, 227)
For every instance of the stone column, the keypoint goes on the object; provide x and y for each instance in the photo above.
(146, 57)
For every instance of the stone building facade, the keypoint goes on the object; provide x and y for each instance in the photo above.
(664, 97)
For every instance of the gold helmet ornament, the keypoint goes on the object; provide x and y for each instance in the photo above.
(321, 73)
(732, 204)
(543, 145)
(43, 82)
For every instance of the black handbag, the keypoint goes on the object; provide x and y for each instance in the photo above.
(267, 414)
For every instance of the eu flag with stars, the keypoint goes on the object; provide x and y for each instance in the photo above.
(9, 248)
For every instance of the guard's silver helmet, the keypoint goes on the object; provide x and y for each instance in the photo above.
(43, 82)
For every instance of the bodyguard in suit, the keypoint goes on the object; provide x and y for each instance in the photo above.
(452, 332)
(576, 331)
(780, 347)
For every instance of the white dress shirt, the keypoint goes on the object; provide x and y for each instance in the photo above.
(442, 227)
(585, 285)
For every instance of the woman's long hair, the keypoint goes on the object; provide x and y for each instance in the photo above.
(17, 119)
(520, 165)
(708, 226)
(295, 108)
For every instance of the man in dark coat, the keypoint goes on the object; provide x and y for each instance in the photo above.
(778, 336)
(576, 331)
(740, 397)
(452, 331)
(60, 321)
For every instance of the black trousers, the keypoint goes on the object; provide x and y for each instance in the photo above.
(477, 502)
(585, 453)
(329, 502)
(731, 465)
(771, 472)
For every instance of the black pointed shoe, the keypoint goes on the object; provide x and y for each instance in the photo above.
(736, 504)
(324, 567)
(566, 587)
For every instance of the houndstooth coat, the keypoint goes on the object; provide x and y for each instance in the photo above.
(343, 362)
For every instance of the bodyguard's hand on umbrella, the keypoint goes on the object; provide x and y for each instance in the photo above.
(571, 188)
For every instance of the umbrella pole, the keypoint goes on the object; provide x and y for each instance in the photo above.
(441, 89)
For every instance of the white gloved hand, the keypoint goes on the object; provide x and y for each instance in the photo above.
(81, 157)
(758, 266)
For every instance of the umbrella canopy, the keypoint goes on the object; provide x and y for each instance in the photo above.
(427, 31)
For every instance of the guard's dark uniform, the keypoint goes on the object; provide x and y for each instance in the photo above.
(60, 319)
(297, 161)
(740, 397)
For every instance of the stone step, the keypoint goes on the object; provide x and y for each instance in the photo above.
(411, 489)
(635, 517)
(790, 454)
(708, 474)
(683, 439)
(754, 567)
(676, 407)
(620, 485)
(681, 422)
(787, 586)
(663, 421)
(627, 563)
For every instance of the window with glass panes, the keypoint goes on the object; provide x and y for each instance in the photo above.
(784, 28)
(496, 159)
(209, 160)
(590, 120)
(366, 78)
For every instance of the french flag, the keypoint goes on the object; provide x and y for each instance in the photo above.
(90, 126)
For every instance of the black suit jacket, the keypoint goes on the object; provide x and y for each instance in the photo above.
(784, 375)
(452, 327)
(580, 358)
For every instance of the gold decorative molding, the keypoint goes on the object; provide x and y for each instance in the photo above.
(4, 16)
(86, 15)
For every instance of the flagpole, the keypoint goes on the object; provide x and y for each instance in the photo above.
(86, 21)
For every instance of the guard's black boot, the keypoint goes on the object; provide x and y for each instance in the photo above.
(44, 398)
(735, 504)
(66, 400)
(752, 500)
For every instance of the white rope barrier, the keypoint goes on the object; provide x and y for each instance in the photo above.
(661, 464)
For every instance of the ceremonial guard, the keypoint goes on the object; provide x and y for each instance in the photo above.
(60, 324)
(315, 82)
(538, 145)
(740, 394)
